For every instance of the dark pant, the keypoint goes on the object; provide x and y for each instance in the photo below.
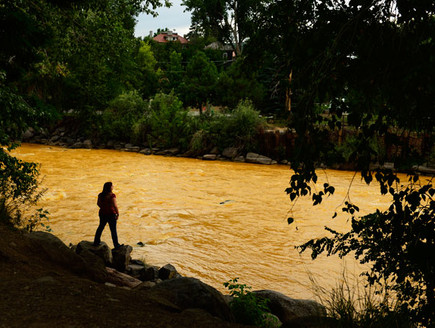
(104, 219)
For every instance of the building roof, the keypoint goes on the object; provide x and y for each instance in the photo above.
(219, 46)
(170, 37)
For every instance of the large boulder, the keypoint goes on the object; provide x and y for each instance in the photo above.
(121, 257)
(151, 273)
(135, 270)
(289, 309)
(87, 144)
(230, 152)
(168, 271)
(52, 248)
(190, 293)
(102, 251)
(209, 157)
(28, 134)
(258, 159)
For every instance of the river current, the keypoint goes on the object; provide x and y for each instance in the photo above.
(212, 220)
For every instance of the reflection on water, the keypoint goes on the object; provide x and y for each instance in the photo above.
(211, 220)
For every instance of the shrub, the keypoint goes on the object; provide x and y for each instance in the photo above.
(168, 122)
(246, 306)
(239, 128)
(120, 116)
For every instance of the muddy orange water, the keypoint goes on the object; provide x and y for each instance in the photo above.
(211, 220)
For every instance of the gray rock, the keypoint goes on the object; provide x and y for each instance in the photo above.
(133, 149)
(28, 134)
(239, 159)
(138, 262)
(102, 251)
(209, 157)
(288, 309)
(191, 293)
(258, 159)
(121, 257)
(230, 152)
(145, 151)
(87, 144)
(167, 271)
(172, 151)
(151, 273)
(54, 138)
(77, 144)
(92, 258)
(146, 285)
(55, 250)
(135, 270)
(160, 152)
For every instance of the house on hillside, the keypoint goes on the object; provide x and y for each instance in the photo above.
(226, 50)
(169, 36)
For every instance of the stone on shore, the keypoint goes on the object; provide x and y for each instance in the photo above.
(230, 152)
(135, 270)
(87, 144)
(259, 159)
(52, 248)
(151, 273)
(121, 257)
(28, 134)
(209, 157)
(168, 271)
(189, 293)
(102, 251)
(288, 309)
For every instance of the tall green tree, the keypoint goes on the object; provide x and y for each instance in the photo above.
(148, 80)
(200, 80)
(230, 21)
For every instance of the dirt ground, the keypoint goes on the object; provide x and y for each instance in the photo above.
(35, 292)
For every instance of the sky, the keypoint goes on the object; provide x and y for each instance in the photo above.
(174, 18)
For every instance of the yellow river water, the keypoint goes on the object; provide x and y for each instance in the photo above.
(212, 220)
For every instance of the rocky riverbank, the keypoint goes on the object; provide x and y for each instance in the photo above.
(45, 283)
(63, 138)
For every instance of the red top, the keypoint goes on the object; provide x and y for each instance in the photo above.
(106, 203)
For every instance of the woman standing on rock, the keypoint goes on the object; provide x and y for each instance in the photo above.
(108, 214)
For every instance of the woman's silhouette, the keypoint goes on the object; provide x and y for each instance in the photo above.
(108, 214)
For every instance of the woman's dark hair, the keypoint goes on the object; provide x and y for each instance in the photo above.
(107, 188)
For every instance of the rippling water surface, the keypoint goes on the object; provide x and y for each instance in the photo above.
(211, 220)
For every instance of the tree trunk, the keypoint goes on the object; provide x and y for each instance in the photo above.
(288, 93)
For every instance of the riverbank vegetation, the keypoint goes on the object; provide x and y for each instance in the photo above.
(316, 65)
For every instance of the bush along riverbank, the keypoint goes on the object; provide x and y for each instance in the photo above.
(162, 126)
(83, 284)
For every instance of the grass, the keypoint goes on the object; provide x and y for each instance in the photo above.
(352, 305)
